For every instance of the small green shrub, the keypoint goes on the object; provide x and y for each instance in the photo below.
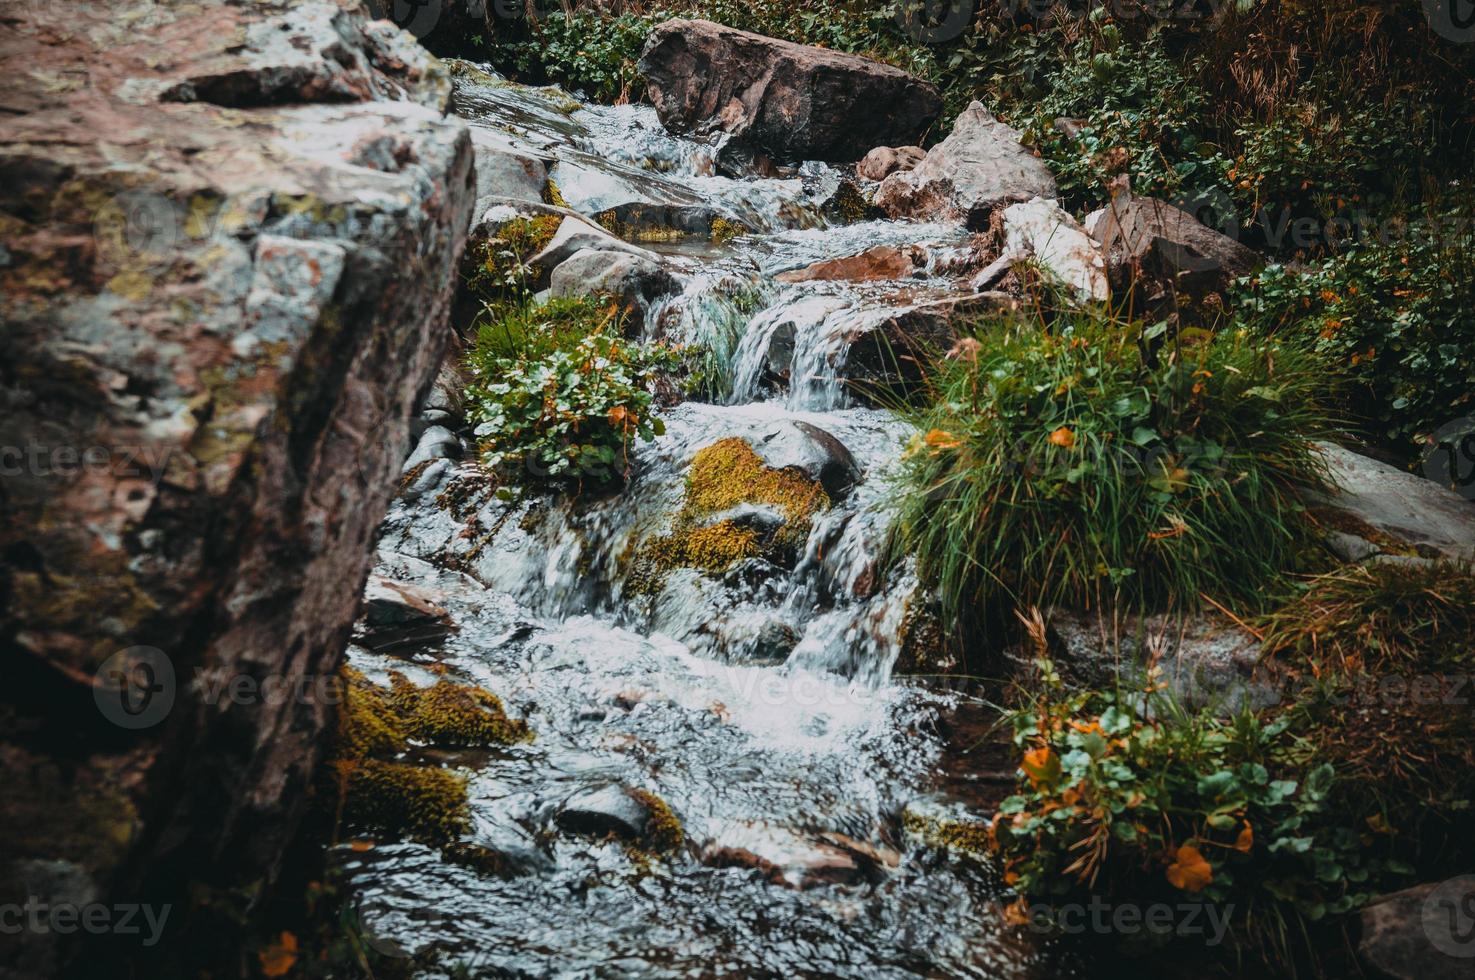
(1124, 795)
(584, 51)
(1393, 318)
(1141, 112)
(560, 393)
(1062, 464)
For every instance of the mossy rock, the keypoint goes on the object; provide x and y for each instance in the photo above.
(423, 803)
(729, 478)
(454, 716)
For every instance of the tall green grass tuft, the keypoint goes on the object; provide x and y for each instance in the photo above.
(1095, 464)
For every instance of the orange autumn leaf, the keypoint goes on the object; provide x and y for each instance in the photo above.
(1015, 913)
(1063, 437)
(1041, 766)
(278, 959)
(1246, 839)
(938, 440)
(1189, 871)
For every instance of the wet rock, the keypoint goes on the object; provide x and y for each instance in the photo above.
(400, 617)
(1205, 660)
(1042, 230)
(636, 204)
(435, 443)
(631, 815)
(792, 860)
(810, 449)
(577, 234)
(229, 252)
(504, 172)
(428, 481)
(981, 165)
(884, 161)
(881, 262)
(788, 100)
(1151, 239)
(634, 281)
(1438, 523)
(1422, 933)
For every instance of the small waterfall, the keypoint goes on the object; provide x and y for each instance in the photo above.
(758, 701)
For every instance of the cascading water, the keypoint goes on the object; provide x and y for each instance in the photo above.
(759, 703)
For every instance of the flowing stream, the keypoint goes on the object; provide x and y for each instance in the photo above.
(762, 704)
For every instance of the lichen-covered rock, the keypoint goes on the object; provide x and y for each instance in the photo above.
(635, 282)
(228, 238)
(1042, 230)
(1431, 520)
(980, 165)
(788, 100)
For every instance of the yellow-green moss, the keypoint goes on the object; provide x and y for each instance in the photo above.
(422, 802)
(663, 830)
(969, 837)
(552, 195)
(456, 716)
(729, 473)
(368, 723)
(849, 204)
(725, 475)
(724, 231)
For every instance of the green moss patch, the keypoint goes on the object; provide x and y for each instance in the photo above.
(723, 476)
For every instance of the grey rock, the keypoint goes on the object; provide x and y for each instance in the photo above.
(1422, 933)
(430, 480)
(577, 234)
(1436, 521)
(436, 442)
(634, 281)
(1152, 239)
(1206, 661)
(634, 201)
(1350, 547)
(238, 249)
(817, 453)
(504, 172)
(980, 165)
(608, 810)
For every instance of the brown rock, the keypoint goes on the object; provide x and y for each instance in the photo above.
(884, 161)
(230, 234)
(981, 165)
(1422, 933)
(1153, 242)
(777, 97)
(881, 262)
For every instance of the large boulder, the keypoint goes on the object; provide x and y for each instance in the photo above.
(1043, 231)
(1434, 521)
(788, 100)
(229, 239)
(981, 165)
(1151, 243)
(1422, 933)
(633, 281)
(884, 161)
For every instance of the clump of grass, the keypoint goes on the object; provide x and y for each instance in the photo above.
(533, 331)
(1370, 617)
(1071, 463)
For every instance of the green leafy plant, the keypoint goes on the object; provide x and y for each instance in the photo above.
(581, 51)
(1126, 795)
(559, 393)
(1393, 318)
(1066, 462)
